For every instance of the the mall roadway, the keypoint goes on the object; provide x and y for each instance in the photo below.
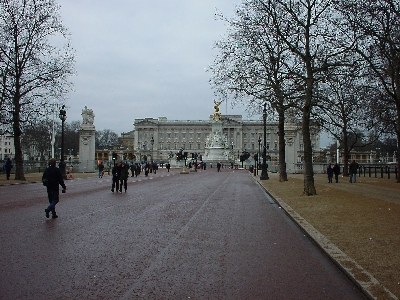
(203, 235)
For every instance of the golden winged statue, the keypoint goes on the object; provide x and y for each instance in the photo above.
(217, 115)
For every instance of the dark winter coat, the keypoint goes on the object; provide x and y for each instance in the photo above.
(353, 168)
(54, 178)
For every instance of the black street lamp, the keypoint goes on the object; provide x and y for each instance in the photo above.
(259, 150)
(152, 144)
(63, 117)
(264, 170)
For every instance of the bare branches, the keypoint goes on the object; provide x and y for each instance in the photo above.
(33, 71)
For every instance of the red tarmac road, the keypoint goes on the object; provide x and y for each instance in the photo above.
(203, 235)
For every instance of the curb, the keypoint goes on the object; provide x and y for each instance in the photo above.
(367, 283)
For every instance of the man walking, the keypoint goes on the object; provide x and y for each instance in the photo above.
(116, 173)
(123, 177)
(52, 178)
(8, 168)
(353, 171)
(336, 171)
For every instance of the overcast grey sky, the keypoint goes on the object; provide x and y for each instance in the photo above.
(138, 59)
(145, 59)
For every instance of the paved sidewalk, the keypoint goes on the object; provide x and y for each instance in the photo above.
(356, 224)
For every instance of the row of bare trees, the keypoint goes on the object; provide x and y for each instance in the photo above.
(332, 65)
(36, 138)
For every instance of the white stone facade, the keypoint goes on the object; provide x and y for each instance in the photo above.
(157, 138)
(7, 149)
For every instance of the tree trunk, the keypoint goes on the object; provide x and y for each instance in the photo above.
(398, 141)
(282, 149)
(346, 153)
(309, 187)
(19, 160)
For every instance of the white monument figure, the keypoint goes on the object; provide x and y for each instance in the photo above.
(216, 149)
(87, 134)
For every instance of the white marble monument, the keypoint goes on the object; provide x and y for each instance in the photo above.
(216, 149)
(87, 134)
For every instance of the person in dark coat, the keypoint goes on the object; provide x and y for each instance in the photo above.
(52, 177)
(353, 171)
(8, 168)
(218, 167)
(133, 169)
(116, 171)
(336, 171)
(329, 171)
(154, 167)
(138, 169)
(124, 174)
(101, 169)
(168, 166)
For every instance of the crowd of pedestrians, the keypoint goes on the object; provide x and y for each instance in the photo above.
(52, 177)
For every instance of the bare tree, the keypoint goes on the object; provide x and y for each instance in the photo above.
(252, 67)
(35, 139)
(33, 72)
(311, 30)
(377, 27)
(71, 137)
(344, 110)
(106, 139)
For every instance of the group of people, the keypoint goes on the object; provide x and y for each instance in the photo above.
(53, 179)
(120, 174)
(353, 168)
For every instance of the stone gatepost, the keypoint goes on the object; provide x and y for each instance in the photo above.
(87, 134)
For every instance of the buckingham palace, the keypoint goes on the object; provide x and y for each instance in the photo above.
(158, 138)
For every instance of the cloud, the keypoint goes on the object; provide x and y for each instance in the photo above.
(138, 59)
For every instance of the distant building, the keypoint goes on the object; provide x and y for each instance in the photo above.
(7, 148)
(156, 139)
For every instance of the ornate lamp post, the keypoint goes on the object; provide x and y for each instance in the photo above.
(264, 170)
(152, 145)
(63, 117)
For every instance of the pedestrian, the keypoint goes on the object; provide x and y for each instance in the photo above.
(52, 178)
(204, 165)
(115, 177)
(138, 169)
(218, 167)
(353, 171)
(168, 166)
(8, 168)
(155, 167)
(123, 178)
(329, 171)
(146, 169)
(4, 167)
(336, 171)
(133, 169)
(101, 169)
